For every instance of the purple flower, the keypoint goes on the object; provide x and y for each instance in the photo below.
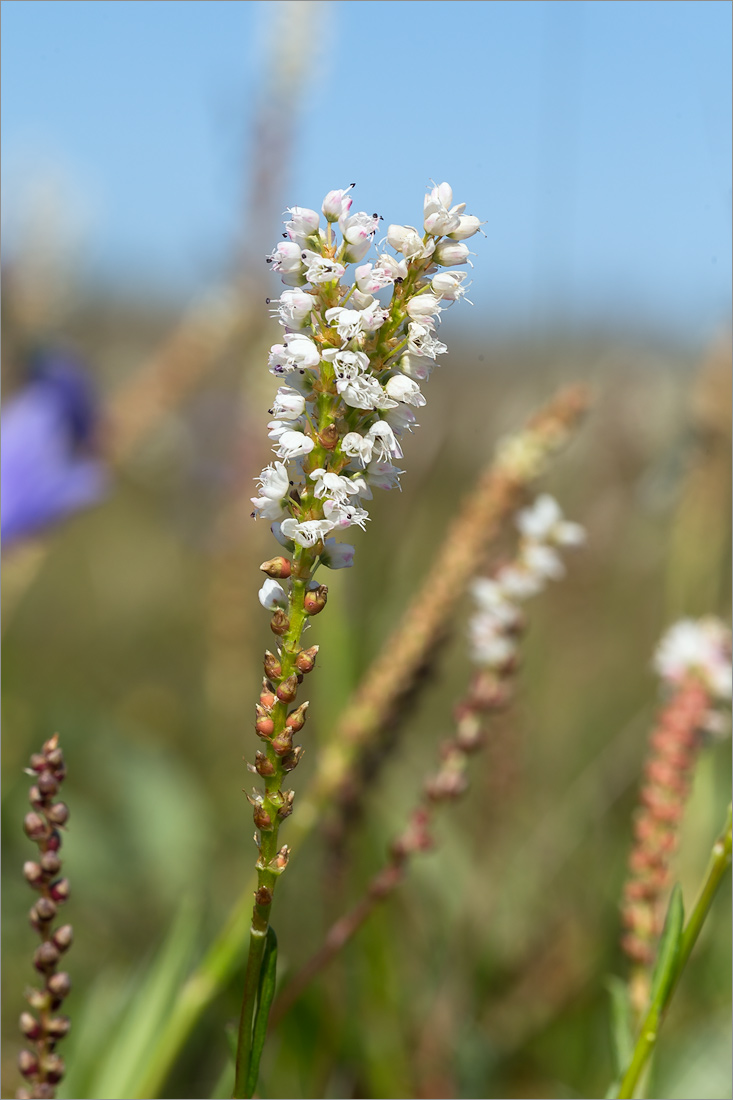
(49, 464)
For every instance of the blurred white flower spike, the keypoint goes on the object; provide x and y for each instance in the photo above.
(700, 648)
(351, 363)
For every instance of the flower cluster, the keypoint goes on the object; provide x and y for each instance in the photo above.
(694, 662)
(41, 1066)
(494, 626)
(351, 362)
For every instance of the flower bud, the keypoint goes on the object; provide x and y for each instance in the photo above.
(27, 1063)
(58, 1026)
(282, 857)
(55, 759)
(30, 1026)
(449, 253)
(288, 689)
(35, 798)
(470, 224)
(287, 807)
(33, 872)
(34, 826)
(45, 909)
(283, 742)
(267, 696)
(296, 719)
(47, 784)
(263, 766)
(46, 956)
(261, 818)
(315, 600)
(58, 814)
(50, 863)
(60, 889)
(38, 762)
(336, 204)
(277, 567)
(273, 668)
(280, 623)
(423, 305)
(264, 725)
(52, 1066)
(447, 284)
(292, 760)
(306, 659)
(63, 937)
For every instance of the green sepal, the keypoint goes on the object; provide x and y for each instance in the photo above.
(265, 994)
(665, 968)
(622, 1031)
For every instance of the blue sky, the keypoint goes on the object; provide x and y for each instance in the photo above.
(593, 137)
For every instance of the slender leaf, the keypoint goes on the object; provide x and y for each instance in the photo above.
(622, 1032)
(665, 969)
(265, 995)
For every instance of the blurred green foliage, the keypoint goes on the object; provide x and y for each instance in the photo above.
(138, 637)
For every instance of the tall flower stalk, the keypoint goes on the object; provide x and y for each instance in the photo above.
(351, 363)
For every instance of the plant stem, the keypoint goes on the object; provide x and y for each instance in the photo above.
(720, 861)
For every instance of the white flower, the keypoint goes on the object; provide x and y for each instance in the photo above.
(336, 204)
(401, 419)
(702, 647)
(422, 306)
(334, 485)
(438, 219)
(450, 253)
(391, 266)
(342, 514)
(422, 342)
(294, 307)
(383, 438)
(288, 404)
(373, 316)
(297, 353)
(303, 223)
(490, 646)
(358, 227)
(383, 475)
(347, 365)
(370, 278)
(337, 555)
(271, 595)
(274, 488)
(348, 322)
(543, 522)
(468, 225)
(320, 269)
(293, 444)
(518, 583)
(404, 389)
(357, 446)
(307, 533)
(364, 392)
(543, 561)
(275, 428)
(492, 600)
(406, 239)
(286, 257)
(447, 285)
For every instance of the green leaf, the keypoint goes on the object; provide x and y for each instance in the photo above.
(622, 1032)
(665, 968)
(265, 995)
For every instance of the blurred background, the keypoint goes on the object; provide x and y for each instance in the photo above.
(149, 151)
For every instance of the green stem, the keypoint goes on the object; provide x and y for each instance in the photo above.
(257, 943)
(720, 861)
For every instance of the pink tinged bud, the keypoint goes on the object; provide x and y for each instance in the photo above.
(52, 1067)
(45, 909)
(58, 1027)
(46, 957)
(315, 600)
(279, 623)
(447, 285)
(423, 305)
(286, 258)
(58, 814)
(63, 937)
(303, 222)
(55, 759)
(34, 826)
(59, 985)
(283, 742)
(33, 873)
(296, 719)
(277, 567)
(450, 253)
(264, 724)
(50, 863)
(27, 1063)
(35, 798)
(352, 253)
(306, 659)
(29, 1026)
(38, 762)
(262, 819)
(288, 689)
(273, 668)
(47, 784)
(282, 857)
(469, 225)
(336, 204)
(60, 890)
(267, 697)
